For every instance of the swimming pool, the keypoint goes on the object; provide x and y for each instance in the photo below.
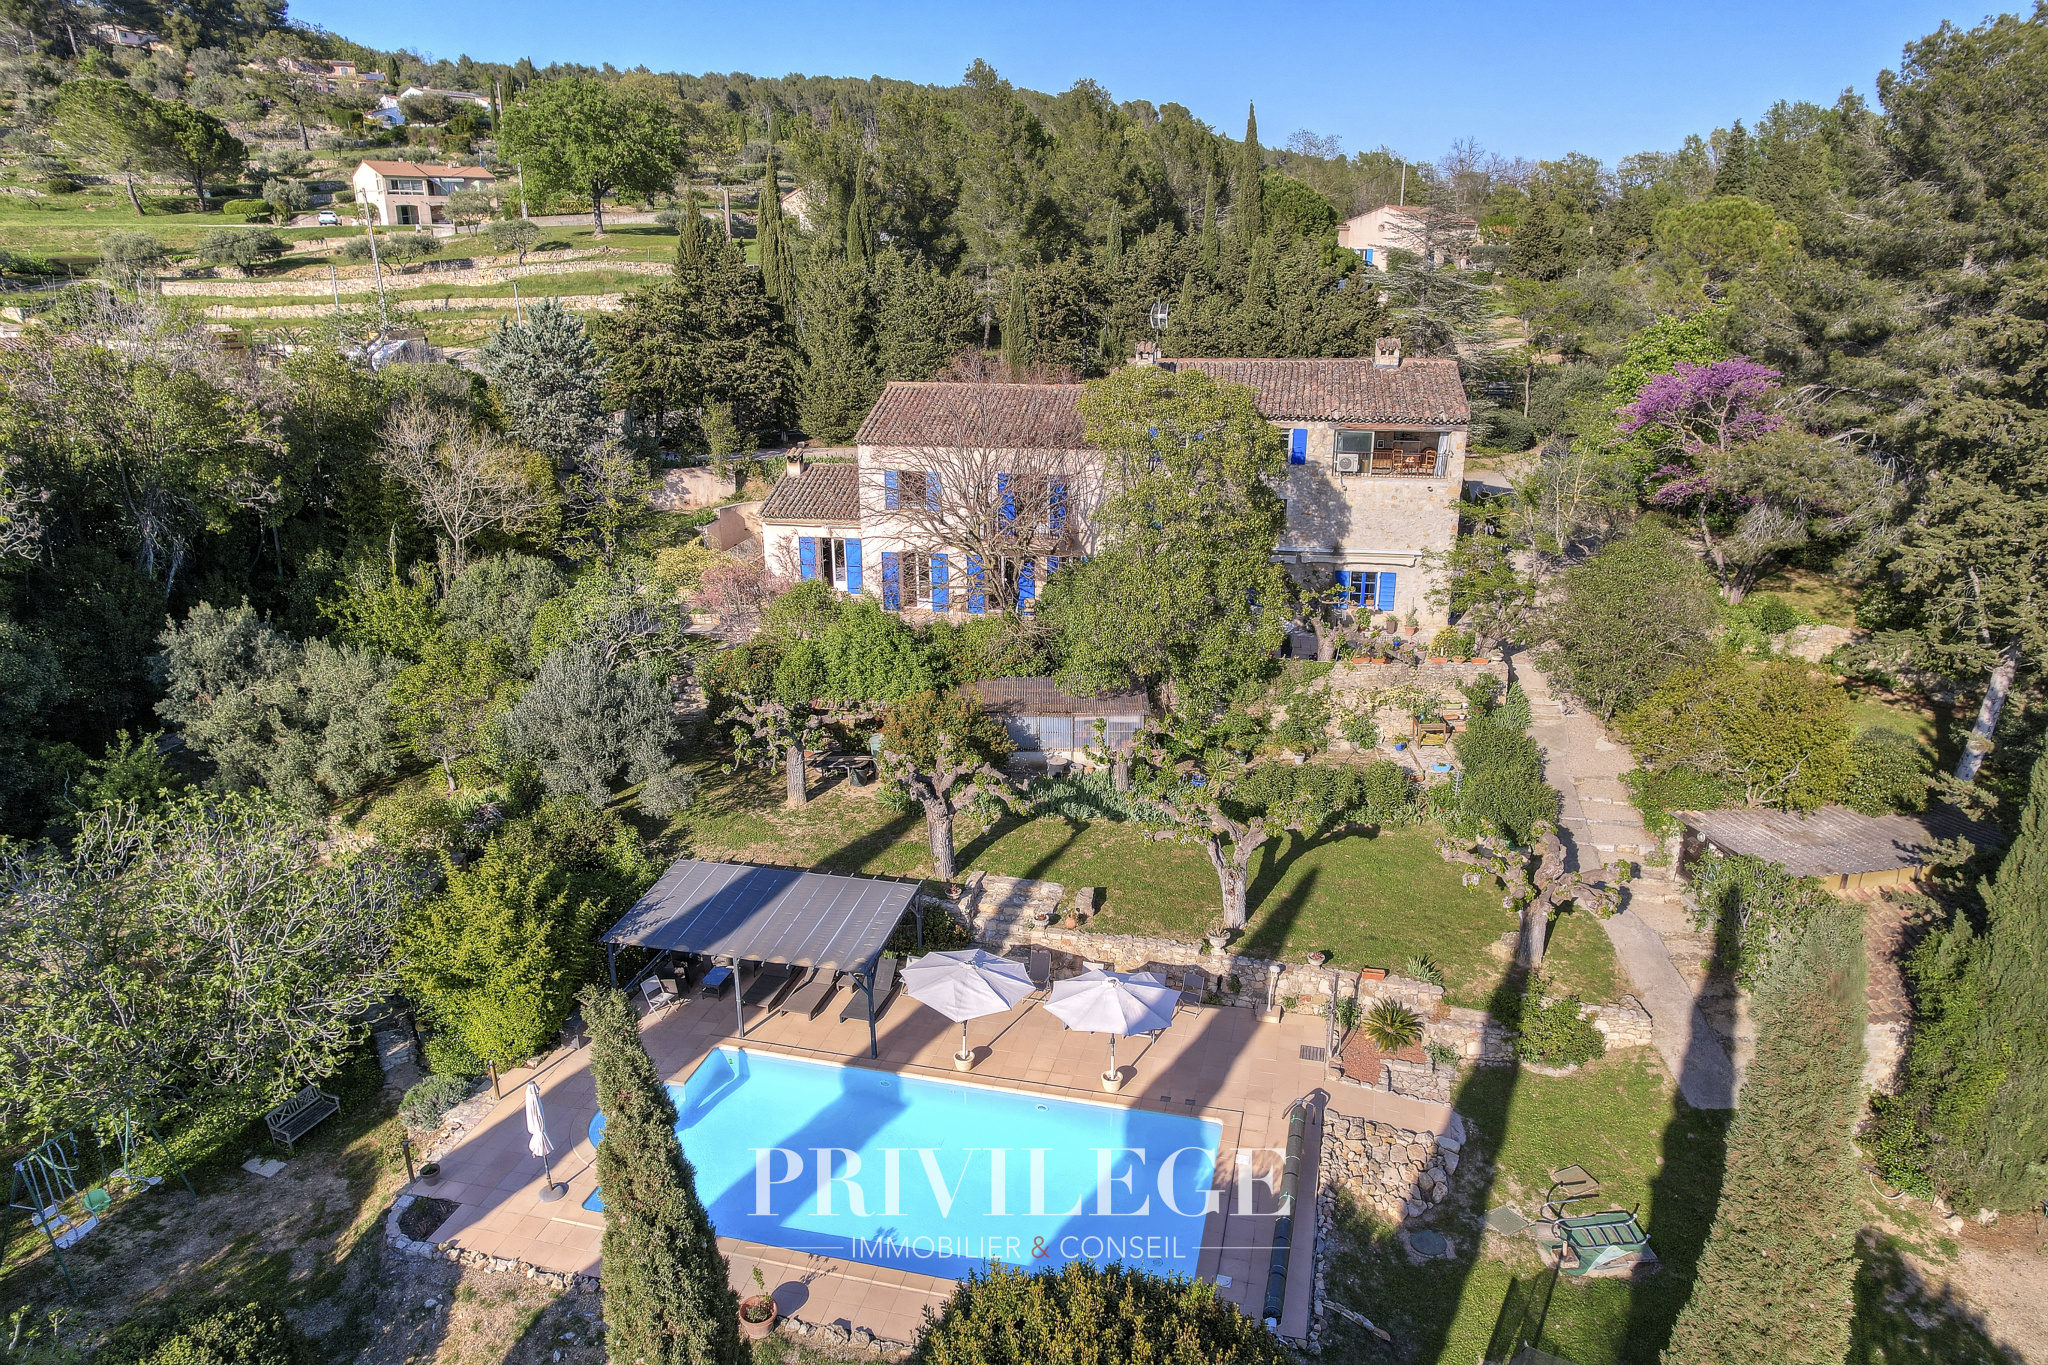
(937, 1176)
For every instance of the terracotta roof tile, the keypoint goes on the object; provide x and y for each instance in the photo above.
(428, 168)
(1427, 392)
(822, 493)
(990, 416)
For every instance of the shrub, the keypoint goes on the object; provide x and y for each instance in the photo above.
(206, 1334)
(1360, 729)
(1774, 731)
(60, 184)
(1391, 1026)
(1386, 793)
(1627, 618)
(1554, 1033)
(246, 209)
(1503, 781)
(1888, 772)
(1008, 1315)
(1749, 905)
(1349, 1014)
(1441, 1054)
(1657, 794)
(1422, 969)
(446, 1056)
(427, 1101)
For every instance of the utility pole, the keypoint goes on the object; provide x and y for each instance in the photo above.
(376, 265)
(725, 203)
(1404, 182)
(520, 166)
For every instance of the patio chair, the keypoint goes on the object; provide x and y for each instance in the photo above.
(885, 991)
(658, 993)
(1040, 970)
(1194, 984)
(810, 999)
(768, 984)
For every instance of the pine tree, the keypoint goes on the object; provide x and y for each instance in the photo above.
(923, 318)
(1732, 173)
(1774, 1281)
(668, 1298)
(2010, 1168)
(1247, 205)
(546, 373)
(860, 221)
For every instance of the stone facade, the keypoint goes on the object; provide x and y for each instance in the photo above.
(1399, 1174)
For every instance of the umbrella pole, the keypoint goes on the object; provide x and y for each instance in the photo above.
(553, 1191)
(963, 1038)
(1112, 1054)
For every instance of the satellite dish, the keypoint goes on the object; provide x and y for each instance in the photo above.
(1158, 316)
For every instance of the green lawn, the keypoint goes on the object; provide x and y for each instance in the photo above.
(1368, 900)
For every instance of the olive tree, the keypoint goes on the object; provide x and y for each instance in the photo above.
(586, 724)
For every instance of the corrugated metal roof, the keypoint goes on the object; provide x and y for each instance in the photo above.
(822, 493)
(1426, 392)
(766, 914)
(1038, 697)
(1835, 841)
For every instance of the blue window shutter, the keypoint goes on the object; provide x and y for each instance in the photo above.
(977, 595)
(931, 490)
(1056, 512)
(1344, 586)
(892, 581)
(1009, 499)
(889, 491)
(939, 594)
(1385, 601)
(1027, 585)
(853, 566)
(807, 557)
(1052, 565)
(1297, 446)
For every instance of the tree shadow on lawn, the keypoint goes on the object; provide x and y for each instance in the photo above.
(1901, 1319)
(858, 853)
(1007, 824)
(1270, 930)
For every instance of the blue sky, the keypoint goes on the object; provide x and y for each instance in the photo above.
(1603, 78)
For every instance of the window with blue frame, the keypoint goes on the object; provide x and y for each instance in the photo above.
(891, 500)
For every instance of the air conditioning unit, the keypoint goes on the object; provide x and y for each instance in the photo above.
(1347, 462)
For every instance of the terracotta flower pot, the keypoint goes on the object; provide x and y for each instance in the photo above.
(755, 1331)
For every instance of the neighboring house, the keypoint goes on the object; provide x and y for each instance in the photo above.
(1048, 724)
(1376, 455)
(409, 193)
(797, 205)
(131, 38)
(482, 102)
(1409, 227)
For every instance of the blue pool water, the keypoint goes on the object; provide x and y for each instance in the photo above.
(935, 1176)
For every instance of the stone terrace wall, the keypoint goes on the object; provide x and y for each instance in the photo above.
(361, 280)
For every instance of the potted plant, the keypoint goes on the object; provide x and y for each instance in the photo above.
(430, 1174)
(757, 1310)
(1217, 936)
(1317, 959)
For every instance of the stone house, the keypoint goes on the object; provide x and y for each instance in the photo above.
(414, 194)
(1375, 462)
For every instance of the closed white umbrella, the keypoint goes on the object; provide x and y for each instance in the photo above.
(538, 1142)
(1115, 1003)
(966, 984)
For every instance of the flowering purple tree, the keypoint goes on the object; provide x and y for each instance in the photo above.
(1747, 480)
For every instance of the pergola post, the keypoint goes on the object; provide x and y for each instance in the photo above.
(611, 963)
(739, 1010)
(874, 1047)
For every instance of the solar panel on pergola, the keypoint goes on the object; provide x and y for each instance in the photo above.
(767, 914)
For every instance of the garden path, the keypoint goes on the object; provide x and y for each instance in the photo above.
(1652, 934)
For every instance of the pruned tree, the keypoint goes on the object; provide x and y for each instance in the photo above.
(1536, 883)
(1009, 488)
(942, 751)
(466, 481)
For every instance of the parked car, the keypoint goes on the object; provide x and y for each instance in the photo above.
(329, 218)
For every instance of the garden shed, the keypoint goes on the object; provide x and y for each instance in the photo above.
(1846, 850)
(1043, 720)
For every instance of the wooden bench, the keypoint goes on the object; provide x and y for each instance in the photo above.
(300, 1114)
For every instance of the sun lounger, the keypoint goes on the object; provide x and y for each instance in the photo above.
(810, 999)
(885, 991)
(768, 984)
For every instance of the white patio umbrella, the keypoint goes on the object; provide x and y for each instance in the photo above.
(966, 984)
(1115, 1003)
(538, 1142)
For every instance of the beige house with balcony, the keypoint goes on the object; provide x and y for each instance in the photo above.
(414, 194)
(1375, 464)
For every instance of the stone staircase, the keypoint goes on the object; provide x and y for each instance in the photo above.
(999, 909)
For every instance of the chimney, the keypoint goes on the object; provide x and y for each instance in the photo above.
(1148, 354)
(1386, 353)
(793, 462)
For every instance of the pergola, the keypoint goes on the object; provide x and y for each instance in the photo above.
(769, 915)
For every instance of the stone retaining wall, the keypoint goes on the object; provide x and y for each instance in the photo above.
(581, 303)
(362, 280)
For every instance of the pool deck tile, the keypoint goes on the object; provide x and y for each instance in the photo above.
(1217, 1063)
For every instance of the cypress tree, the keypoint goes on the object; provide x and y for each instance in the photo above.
(860, 221)
(690, 243)
(772, 243)
(2009, 1170)
(1209, 242)
(668, 1296)
(1247, 207)
(1017, 347)
(1774, 1281)
(839, 378)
